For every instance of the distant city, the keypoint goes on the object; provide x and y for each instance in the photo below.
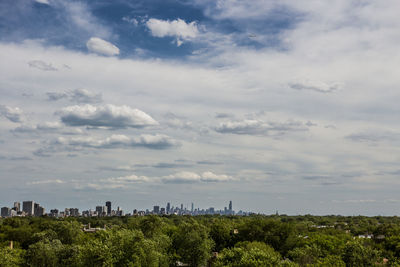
(31, 208)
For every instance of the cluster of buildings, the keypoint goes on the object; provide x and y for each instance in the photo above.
(30, 208)
(180, 210)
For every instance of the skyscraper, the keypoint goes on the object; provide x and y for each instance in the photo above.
(108, 205)
(230, 205)
(28, 207)
(168, 207)
(5, 212)
(100, 210)
(192, 207)
(156, 209)
(17, 206)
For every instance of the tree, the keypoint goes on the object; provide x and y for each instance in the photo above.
(192, 244)
(44, 253)
(221, 233)
(358, 253)
(251, 254)
(11, 257)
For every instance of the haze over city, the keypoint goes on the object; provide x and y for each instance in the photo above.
(276, 105)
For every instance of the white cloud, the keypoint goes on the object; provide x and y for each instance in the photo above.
(82, 21)
(157, 141)
(316, 86)
(126, 179)
(259, 127)
(14, 114)
(133, 21)
(192, 177)
(99, 46)
(113, 182)
(212, 177)
(105, 116)
(178, 28)
(80, 95)
(49, 126)
(46, 2)
(41, 182)
(237, 9)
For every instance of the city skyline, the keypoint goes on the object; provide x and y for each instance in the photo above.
(277, 105)
(32, 208)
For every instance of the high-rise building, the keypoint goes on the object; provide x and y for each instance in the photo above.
(54, 213)
(108, 205)
(168, 207)
(28, 207)
(230, 205)
(99, 210)
(17, 206)
(38, 210)
(74, 212)
(156, 209)
(192, 207)
(5, 212)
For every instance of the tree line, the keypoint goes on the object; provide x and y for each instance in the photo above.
(201, 241)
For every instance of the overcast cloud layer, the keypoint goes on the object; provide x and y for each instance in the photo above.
(276, 105)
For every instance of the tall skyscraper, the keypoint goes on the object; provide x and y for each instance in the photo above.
(168, 207)
(100, 210)
(156, 209)
(192, 207)
(108, 205)
(17, 206)
(5, 212)
(230, 205)
(28, 207)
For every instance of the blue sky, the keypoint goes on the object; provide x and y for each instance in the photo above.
(276, 105)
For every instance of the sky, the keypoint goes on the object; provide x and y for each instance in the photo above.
(288, 106)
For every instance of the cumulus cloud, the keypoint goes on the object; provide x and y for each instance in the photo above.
(102, 47)
(13, 114)
(259, 127)
(113, 182)
(178, 28)
(175, 121)
(41, 65)
(46, 2)
(316, 86)
(192, 177)
(77, 95)
(157, 141)
(126, 179)
(41, 182)
(105, 116)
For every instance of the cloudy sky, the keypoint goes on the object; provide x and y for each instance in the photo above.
(276, 105)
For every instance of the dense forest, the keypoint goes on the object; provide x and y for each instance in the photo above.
(200, 241)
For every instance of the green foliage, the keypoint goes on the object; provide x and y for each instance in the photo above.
(192, 243)
(166, 240)
(359, 253)
(250, 254)
(44, 253)
(281, 236)
(221, 232)
(11, 257)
